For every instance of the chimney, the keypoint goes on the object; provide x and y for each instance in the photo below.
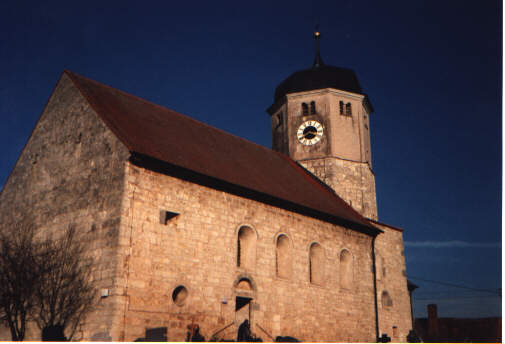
(433, 331)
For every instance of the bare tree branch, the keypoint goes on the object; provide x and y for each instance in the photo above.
(46, 279)
(68, 292)
(19, 276)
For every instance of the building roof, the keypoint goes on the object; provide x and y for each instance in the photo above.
(320, 76)
(151, 130)
(411, 286)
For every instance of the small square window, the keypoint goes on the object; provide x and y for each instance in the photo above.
(166, 215)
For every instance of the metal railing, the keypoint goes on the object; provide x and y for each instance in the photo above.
(222, 329)
(262, 329)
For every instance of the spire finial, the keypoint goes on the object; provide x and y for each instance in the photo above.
(318, 61)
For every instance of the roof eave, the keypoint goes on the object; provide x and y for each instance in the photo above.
(276, 105)
(368, 104)
(179, 172)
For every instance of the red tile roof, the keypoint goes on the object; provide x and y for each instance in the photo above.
(166, 135)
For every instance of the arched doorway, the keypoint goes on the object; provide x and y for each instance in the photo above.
(244, 290)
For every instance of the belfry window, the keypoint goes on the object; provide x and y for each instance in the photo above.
(246, 248)
(312, 107)
(305, 109)
(348, 110)
(341, 107)
(283, 257)
(346, 273)
(316, 264)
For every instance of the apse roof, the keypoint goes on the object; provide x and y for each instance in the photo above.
(157, 132)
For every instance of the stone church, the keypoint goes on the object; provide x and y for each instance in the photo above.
(193, 226)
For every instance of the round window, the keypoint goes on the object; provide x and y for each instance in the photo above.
(179, 295)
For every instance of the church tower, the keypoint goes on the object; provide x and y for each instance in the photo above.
(321, 119)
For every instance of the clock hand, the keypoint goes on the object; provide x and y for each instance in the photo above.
(313, 132)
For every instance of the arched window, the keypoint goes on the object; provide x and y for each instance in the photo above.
(305, 109)
(386, 300)
(312, 107)
(246, 248)
(244, 284)
(346, 269)
(395, 331)
(316, 264)
(341, 106)
(283, 257)
(348, 110)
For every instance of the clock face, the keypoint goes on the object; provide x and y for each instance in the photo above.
(310, 132)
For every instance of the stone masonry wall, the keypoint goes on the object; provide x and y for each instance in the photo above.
(70, 172)
(198, 250)
(391, 277)
(352, 181)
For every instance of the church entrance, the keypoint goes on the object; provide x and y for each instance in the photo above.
(245, 294)
(242, 309)
(243, 318)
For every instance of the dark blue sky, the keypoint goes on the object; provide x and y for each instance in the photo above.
(432, 70)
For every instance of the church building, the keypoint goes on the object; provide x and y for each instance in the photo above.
(193, 226)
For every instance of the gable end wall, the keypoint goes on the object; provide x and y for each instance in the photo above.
(71, 171)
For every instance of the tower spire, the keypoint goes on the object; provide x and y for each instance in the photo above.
(318, 61)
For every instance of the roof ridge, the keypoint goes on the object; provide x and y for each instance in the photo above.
(72, 74)
(86, 96)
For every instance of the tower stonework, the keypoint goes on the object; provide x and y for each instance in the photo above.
(340, 153)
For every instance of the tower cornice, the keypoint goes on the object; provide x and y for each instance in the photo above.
(334, 91)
